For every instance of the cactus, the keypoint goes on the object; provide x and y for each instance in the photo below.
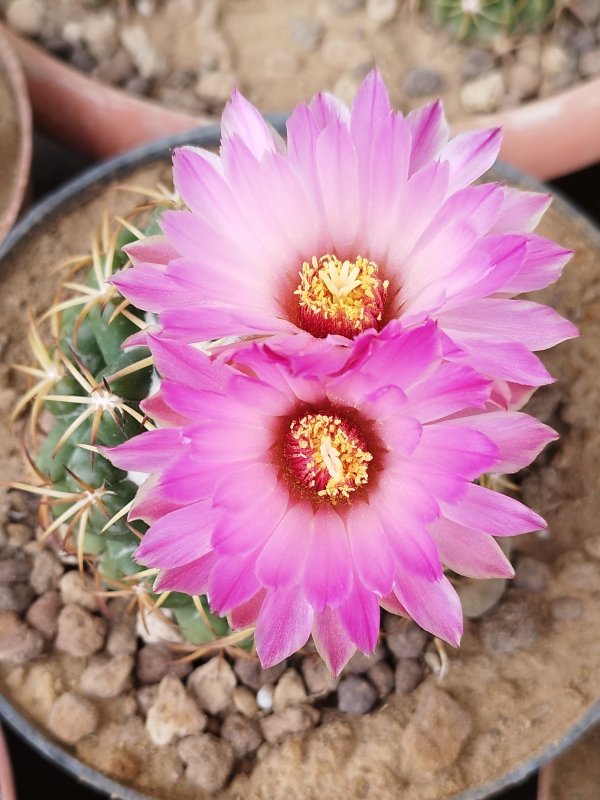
(91, 391)
(490, 18)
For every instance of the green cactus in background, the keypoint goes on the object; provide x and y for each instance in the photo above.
(490, 18)
(90, 390)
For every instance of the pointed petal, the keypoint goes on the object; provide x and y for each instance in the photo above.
(283, 625)
(468, 552)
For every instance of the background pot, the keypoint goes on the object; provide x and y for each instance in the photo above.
(545, 138)
(56, 225)
(15, 136)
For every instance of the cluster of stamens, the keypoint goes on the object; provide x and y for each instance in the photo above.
(326, 453)
(340, 297)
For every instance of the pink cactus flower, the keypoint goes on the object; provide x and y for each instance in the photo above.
(364, 216)
(301, 488)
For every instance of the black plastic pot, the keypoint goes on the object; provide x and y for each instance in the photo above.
(66, 198)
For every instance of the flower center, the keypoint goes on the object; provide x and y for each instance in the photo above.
(340, 297)
(326, 452)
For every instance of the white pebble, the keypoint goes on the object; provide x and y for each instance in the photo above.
(264, 697)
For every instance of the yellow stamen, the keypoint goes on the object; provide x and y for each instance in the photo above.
(326, 453)
(344, 297)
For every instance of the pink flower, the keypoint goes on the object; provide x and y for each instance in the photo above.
(303, 488)
(364, 216)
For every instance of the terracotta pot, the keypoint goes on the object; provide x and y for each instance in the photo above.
(522, 722)
(15, 136)
(7, 784)
(575, 774)
(546, 138)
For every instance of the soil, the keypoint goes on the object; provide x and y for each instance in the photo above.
(10, 143)
(188, 54)
(527, 671)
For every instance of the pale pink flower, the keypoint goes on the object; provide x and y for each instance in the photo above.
(364, 216)
(304, 487)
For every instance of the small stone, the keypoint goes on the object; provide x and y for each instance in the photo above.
(209, 761)
(154, 661)
(356, 695)
(422, 82)
(43, 614)
(554, 59)
(511, 627)
(14, 570)
(79, 633)
(566, 609)
(174, 714)
(146, 697)
(244, 701)
(214, 54)
(382, 677)
(382, 11)
(145, 8)
(319, 681)
(523, 81)
(243, 734)
(346, 6)
(18, 533)
(99, 33)
(583, 41)
(121, 640)
(57, 46)
(591, 545)
(72, 717)
(106, 677)
(8, 397)
(406, 640)
(145, 56)
(138, 85)
(215, 88)
(81, 59)
(290, 721)
(249, 672)
(478, 596)
(532, 575)
(26, 17)
(476, 63)
(116, 70)
(46, 572)
(264, 697)
(483, 95)
(77, 588)
(342, 51)
(360, 662)
(72, 32)
(589, 63)
(408, 675)
(306, 33)
(16, 597)
(18, 642)
(289, 691)
(212, 684)
(346, 87)
(435, 733)
(588, 11)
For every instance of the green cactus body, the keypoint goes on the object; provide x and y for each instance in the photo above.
(92, 408)
(486, 19)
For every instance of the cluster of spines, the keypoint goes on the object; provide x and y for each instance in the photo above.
(86, 392)
(485, 19)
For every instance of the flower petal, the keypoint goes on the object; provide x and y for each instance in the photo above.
(469, 552)
(283, 625)
(493, 513)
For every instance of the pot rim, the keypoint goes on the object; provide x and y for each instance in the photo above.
(18, 86)
(105, 173)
